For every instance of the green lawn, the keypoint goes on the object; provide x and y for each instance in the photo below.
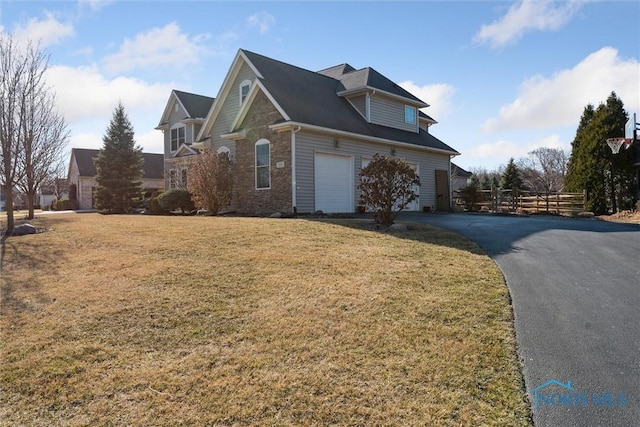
(141, 320)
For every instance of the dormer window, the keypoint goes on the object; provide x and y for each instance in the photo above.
(409, 114)
(244, 90)
(177, 137)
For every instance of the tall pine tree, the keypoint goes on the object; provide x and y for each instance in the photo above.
(511, 179)
(118, 166)
(607, 177)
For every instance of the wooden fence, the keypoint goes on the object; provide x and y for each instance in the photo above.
(510, 201)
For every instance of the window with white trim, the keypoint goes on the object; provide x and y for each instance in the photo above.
(224, 149)
(183, 178)
(177, 137)
(263, 164)
(409, 114)
(244, 90)
(172, 178)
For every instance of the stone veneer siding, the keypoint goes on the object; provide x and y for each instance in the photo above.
(248, 199)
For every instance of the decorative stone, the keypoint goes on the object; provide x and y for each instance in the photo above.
(398, 227)
(276, 215)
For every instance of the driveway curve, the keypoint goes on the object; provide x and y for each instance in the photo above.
(575, 287)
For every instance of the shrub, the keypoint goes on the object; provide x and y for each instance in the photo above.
(176, 198)
(64, 205)
(211, 181)
(387, 185)
(154, 204)
(470, 196)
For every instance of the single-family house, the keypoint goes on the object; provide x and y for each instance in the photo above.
(181, 122)
(56, 189)
(299, 138)
(82, 175)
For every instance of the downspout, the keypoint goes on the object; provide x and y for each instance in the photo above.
(294, 182)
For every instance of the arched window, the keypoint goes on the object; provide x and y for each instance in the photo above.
(244, 90)
(223, 149)
(263, 164)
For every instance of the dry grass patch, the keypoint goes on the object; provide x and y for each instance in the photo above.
(624, 216)
(137, 320)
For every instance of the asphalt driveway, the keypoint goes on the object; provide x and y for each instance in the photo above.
(575, 286)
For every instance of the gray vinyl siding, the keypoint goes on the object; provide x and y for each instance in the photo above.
(388, 112)
(360, 103)
(174, 117)
(229, 111)
(308, 143)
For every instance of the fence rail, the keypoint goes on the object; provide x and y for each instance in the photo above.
(510, 201)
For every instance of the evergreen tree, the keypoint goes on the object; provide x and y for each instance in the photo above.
(572, 181)
(607, 177)
(118, 166)
(511, 179)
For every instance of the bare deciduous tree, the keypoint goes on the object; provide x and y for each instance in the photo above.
(44, 133)
(211, 181)
(32, 132)
(544, 171)
(12, 67)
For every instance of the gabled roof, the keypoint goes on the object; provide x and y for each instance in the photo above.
(369, 78)
(195, 106)
(337, 71)
(153, 166)
(458, 171)
(312, 98)
(184, 150)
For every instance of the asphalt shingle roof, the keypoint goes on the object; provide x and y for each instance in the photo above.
(197, 106)
(458, 171)
(153, 166)
(311, 98)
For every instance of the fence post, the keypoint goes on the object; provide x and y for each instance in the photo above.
(584, 199)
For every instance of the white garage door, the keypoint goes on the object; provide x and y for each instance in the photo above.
(333, 183)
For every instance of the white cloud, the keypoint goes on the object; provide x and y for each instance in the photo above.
(263, 21)
(85, 94)
(94, 5)
(501, 151)
(438, 96)
(526, 16)
(559, 100)
(151, 141)
(166, 46)
(85, 140)
(47, 31)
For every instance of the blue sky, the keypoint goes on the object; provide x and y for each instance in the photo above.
(502, 78)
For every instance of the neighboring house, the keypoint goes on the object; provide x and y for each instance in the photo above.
(181, 122)
(459, 177)
(51, 191)
(299, 138)
(82, 175)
